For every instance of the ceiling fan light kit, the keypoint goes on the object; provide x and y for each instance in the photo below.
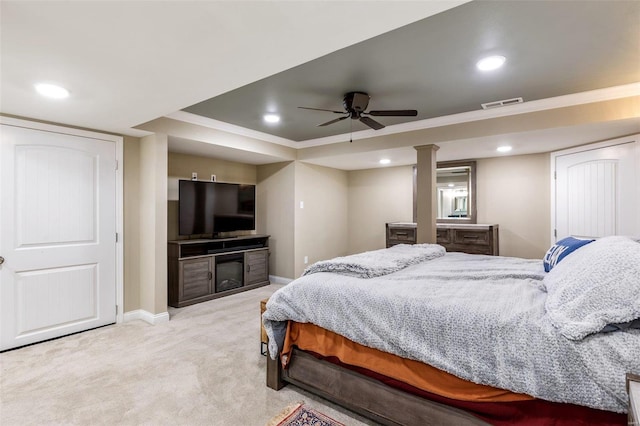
(355, 104)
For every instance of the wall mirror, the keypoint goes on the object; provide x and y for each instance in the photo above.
(455, 192)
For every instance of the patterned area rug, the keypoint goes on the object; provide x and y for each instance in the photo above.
(299, 415)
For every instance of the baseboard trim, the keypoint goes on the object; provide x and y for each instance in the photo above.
(146, 316)
(274, 279)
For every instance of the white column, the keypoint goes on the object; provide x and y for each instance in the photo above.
(153, 223)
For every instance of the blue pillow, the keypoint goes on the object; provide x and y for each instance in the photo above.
(595, 288)
(561, 249)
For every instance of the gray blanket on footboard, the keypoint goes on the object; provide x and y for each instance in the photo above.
(481, 318)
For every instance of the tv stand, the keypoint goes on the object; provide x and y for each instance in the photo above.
(206, 269)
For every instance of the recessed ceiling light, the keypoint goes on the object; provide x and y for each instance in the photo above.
(451, 185)
(52, 91)
(271, 118)
(385, 161)
(490, 63)
(503, 148)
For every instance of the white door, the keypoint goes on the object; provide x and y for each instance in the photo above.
(597, 190)
(57, 234)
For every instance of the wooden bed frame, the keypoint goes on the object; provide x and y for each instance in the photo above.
(361, 394)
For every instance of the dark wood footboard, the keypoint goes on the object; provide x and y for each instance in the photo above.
(274, 373)
(361, 394)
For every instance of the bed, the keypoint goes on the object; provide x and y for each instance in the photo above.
(414, 335)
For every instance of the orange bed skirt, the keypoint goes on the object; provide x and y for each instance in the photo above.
(312, 338)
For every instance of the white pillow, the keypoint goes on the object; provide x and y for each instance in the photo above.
(596, 286)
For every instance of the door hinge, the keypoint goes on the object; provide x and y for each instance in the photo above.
(116, 309)
(116, 237)
(555, 232)
(116, 164)
(555, 175)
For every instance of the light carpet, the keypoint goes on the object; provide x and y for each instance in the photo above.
(203, 367)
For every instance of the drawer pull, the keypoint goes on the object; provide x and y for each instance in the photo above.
(402, 233)
(470, 237)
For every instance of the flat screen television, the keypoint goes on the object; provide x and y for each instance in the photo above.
(214, 207)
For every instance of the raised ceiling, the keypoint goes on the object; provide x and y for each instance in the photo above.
(128, 62)
(134, 67)
(552, 49)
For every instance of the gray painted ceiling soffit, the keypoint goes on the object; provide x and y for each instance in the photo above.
(552, 49)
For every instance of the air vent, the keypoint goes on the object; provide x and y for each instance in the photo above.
(502, 103)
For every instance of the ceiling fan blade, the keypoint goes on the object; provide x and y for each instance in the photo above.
(320, 109)
(395, 113)
(333, 121)
(371, 123)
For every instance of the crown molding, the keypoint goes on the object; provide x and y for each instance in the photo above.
(199, 120)
(573, 99)
(598, 95)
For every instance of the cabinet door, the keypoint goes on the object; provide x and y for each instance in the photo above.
(256, 267)
(443, 236)
(196, 277)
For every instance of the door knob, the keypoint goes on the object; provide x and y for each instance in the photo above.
(1, 260)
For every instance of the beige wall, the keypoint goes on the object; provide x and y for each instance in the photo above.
(275, 214)
(131, 237)
(182, 165)
(321, 226)
(511, 191)
(345, 212)
(375, 197)
(514, 192)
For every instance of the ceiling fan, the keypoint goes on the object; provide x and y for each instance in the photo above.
(355, 104)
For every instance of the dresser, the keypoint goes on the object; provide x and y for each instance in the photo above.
(467, 238)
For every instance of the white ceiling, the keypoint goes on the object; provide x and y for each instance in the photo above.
(129, 62)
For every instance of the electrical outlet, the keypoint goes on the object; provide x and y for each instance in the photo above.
(194, 176)
(302, 204)
(213, 178)
(306, 260)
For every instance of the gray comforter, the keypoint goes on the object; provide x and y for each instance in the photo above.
(481, 318)
(376, 263)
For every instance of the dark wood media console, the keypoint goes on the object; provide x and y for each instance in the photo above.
(201, 270)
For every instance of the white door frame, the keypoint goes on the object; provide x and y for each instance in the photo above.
(119, 141)
(590, 147)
